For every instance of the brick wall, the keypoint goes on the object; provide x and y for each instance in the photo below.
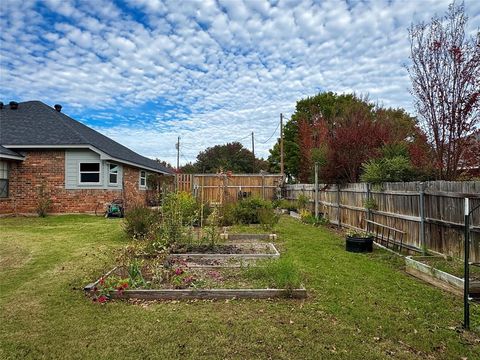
(47, 169)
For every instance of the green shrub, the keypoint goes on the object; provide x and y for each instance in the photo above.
(268, 218)
(172, 228)
(227, 214)
(139, 221)
(370, 204)
(212, 234)
(247, 210)
(292, 206)
(302, 201)
(280, 274)
(189, 207)
(203, 211)
(398, 168)
(308, 218)
(281, 204)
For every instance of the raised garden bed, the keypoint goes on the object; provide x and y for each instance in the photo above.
(428, 268)
(211, 294)
(175, 279)
(249, 237)
(226, 251)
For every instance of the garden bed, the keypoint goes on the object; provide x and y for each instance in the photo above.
(248, 237)
(177, 279)
(226, 251)
(437, 271)
(212, 294)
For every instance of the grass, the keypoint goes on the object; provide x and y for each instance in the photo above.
(360, 306)
(280, 274)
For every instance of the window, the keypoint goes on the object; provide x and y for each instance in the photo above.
(3, 179)
(90, 173)
(113, 174)
(143, 178)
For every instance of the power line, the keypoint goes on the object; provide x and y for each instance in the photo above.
(274, 132)
(184, 157)
(243, 138)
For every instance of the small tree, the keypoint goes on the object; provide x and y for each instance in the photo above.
(445, 75)
(44, 202)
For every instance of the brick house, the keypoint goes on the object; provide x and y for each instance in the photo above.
(44, 151)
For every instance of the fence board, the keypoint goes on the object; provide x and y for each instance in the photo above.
(398, 206)
(220, 188)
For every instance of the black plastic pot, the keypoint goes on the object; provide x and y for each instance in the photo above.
(359, 244)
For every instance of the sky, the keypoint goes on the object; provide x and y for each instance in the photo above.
(144, 72)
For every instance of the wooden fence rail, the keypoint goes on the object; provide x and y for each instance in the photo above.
(220, 188)
(431, 214)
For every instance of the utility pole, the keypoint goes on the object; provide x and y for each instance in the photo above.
(282, 170)
(178, 152)
(253, 153)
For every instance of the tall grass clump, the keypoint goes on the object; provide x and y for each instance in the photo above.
(280, 274)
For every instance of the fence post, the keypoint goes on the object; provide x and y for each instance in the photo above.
(263, 186)
(369, 208)
(422, 218)
(338, 206)
(316, 190)
(466, 275)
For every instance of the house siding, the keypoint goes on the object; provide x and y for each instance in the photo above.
(48, 169)
(73, 158)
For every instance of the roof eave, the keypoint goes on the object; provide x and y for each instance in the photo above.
(103, 155)
(12, 157)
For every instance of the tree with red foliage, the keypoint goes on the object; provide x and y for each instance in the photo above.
(445, 74)
(305, 141)
(353, 141)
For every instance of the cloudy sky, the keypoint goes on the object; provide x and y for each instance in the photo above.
(146, 71)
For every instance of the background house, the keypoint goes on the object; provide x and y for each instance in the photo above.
(43, 151)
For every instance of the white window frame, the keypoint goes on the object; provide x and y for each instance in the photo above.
(80, 182)
(7, 178)
(110, 173)
(142, 177)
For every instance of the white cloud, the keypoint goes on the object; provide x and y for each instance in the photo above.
(209, 71)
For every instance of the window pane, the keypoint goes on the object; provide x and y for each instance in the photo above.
(3, 170)
(89, 177)
(113, 178)
(3, 188)
(113, 168)
(142, 181)
(89, 167)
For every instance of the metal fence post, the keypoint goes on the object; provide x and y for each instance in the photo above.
(466, 277)
(422, 218)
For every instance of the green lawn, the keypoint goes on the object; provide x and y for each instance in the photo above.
(360, 306)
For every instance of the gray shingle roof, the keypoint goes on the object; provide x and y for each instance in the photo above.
(35, 123)
(8, 152)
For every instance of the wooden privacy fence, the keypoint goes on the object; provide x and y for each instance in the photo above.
(430, 213)
(220, 188)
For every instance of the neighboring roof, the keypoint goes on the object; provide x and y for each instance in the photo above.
(9, 154)
(37, 124)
